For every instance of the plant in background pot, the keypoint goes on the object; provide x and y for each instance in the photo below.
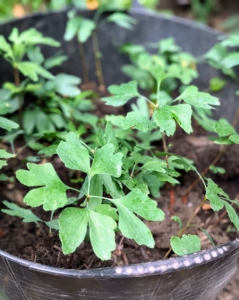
(92, 187)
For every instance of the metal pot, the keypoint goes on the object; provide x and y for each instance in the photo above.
(200, 276)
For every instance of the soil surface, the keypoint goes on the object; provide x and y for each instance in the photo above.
(33, 242)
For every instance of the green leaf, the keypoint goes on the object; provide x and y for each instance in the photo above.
(155, 165)
(186, 245)
(106, 209)
(217, 170)
(4, 154)
(30, 118)
(142, 205)
(166, 116)
(72, 228)
(234, 138)
(178, 220)
(232, 214)
(133, 228)
(3, 163)
(102, 235)
(138, 121)
(214, 195)
(48, 151)
(111, 186)
(7, 124)
(73, 224)
(207, 235)
(224, 128)
(34, 54)
(33, 70)
(85, 29)
(231, 40)
(74, 155)
(67, 85)
(231, 60)
(130, 225)
(166, 177)
(122, 93)
(4, 46)
(33, 37)
(221, 140)
(71, 26)
(192, 96)
(216, 84)
(110, 135)
(96, 189)
(51, 191)
(122, 20)
(53, 224)
(154, 184)
(106, 162)
(15, 210)
(54, 61)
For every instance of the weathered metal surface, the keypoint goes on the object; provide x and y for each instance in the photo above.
(199, 276)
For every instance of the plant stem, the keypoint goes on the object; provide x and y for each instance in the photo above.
(165, 147)
(181, 232)
(99, 71)
(17, 83)
(204, 172)
(149, 101)
(132, 172)
(236, 119)
(88, 189)
(83, 60)
(224, 214)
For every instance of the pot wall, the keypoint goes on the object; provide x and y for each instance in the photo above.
(200, 276)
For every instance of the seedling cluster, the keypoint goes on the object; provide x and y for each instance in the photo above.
(113, 165)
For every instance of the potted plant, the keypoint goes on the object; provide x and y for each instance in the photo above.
(115, 167)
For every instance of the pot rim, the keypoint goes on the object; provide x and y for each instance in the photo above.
(135, 270)
(141, 269)
(133, 10)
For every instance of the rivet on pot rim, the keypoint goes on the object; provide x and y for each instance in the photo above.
(187, 263)
(214, 253)
(198, 259)
(151, 269)
(207, 256)
(175, 265)
(163, 268)
(119, 270)
(220, 250)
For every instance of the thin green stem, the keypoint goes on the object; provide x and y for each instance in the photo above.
(51, 218)
(71, 188)
(13, 149)
(88, 189)
(86, 146)
(103, 198)
(149, 101)
(132, 172)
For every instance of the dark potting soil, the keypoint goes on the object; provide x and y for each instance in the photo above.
(33, 242)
